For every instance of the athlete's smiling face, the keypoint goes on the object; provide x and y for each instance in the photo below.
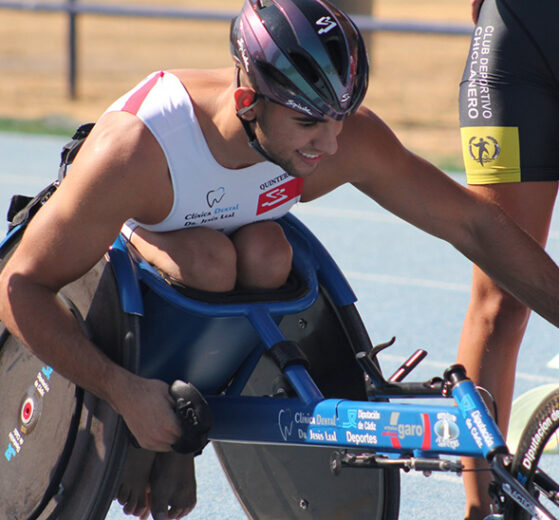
(294, 141)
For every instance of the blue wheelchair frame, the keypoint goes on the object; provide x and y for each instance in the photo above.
(320, 421)
(391, 433)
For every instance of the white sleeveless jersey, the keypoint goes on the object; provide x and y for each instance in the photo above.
(205, 193)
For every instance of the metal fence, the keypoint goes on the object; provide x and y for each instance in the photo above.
(73, 8)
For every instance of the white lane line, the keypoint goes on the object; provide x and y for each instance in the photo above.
(320, 211)
(24, 179)
(346, 213)
(554, 362)
(535, 378)
(406, 281)
(440, 365)
(402, 280)
(441, 477)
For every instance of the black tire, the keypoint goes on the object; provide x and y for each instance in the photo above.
(542, 426)
(276, 482)
(64, 447)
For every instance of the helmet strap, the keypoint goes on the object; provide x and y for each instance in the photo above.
(252, 139)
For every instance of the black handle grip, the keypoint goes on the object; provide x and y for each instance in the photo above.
(194, 415)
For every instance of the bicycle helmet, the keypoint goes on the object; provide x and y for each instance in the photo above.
(304, 54)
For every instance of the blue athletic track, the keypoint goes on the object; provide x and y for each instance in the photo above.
(409, 284)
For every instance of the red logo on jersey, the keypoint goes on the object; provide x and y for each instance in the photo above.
(279, 195)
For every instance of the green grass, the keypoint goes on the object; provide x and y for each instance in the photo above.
(56, 125)
(45, 126)
(449, 164)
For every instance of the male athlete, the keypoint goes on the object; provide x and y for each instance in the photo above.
(176, 145)
(509, 118)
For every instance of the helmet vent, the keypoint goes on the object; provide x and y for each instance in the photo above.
(312, 75)
(276, 77)
(305, 67)
(338, 57)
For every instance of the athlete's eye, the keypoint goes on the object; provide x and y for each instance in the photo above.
(307, 122)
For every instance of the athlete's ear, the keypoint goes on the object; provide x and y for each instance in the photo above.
(245, 100)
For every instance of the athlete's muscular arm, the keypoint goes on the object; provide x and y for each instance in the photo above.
(424, 196)
(114, 177)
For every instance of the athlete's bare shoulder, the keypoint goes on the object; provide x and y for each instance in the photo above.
(368, 153)
(365, 145)
(122, 155)
(365, 130)
(201, 83)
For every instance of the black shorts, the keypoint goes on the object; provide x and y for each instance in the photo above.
(509, 94)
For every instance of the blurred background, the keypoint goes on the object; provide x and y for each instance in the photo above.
(413, 87)
(414, 77)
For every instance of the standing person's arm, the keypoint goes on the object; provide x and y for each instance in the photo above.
(476, 6)
(113, 178)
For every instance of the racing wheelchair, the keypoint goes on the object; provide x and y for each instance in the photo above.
(293, 383)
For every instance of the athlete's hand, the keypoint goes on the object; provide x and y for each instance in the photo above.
(476, 6)
(147, 409)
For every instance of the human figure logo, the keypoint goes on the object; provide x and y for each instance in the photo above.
(483, 150)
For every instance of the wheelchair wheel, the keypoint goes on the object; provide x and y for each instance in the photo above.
(537, 448)
(278, 482)
(62, 448)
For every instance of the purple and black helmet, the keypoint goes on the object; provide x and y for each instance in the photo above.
(304, 54)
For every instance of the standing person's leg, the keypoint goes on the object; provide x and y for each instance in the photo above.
(509, 119)
(495, 322)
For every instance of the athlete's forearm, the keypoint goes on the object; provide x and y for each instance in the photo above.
(36, 315)
(44, 324)
(514, 260)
